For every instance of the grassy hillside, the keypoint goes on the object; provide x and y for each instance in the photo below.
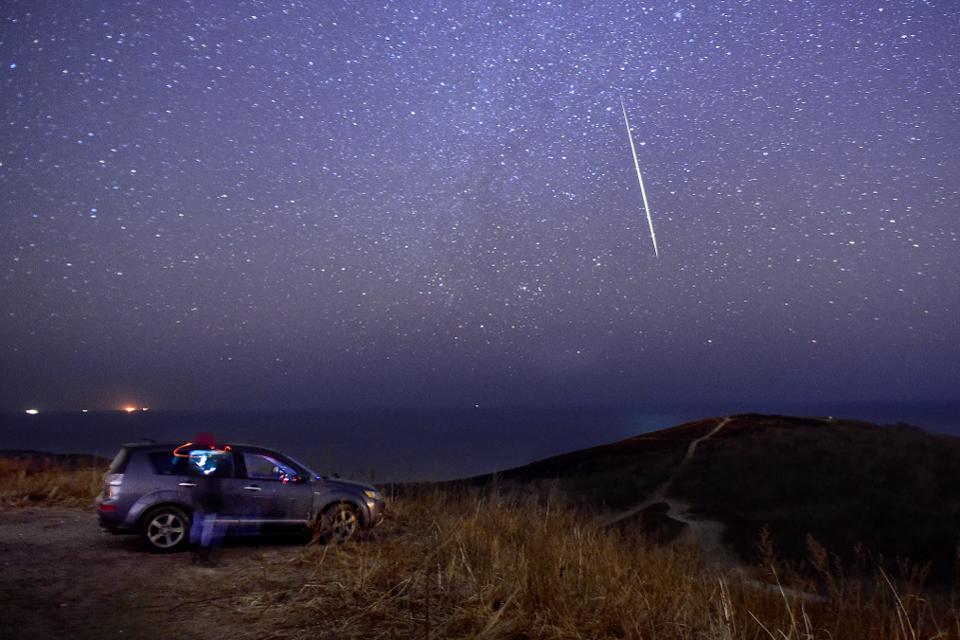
(612, 476)
(856, 488)
(895, 491)
(467, 563)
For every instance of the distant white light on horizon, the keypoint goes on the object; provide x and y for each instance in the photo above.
(32, 412)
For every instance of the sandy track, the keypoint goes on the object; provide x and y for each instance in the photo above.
(61, 577)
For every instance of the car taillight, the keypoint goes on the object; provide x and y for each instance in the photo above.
(113, 482)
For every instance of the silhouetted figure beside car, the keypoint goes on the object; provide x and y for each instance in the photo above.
(207, 465)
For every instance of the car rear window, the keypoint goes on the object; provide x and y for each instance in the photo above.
(119, 462)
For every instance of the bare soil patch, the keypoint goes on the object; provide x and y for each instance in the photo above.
(63, 577)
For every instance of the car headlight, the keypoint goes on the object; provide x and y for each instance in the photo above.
(372, 494)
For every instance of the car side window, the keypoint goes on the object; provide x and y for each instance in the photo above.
(167, 464)
(264, 467)
(210, 463)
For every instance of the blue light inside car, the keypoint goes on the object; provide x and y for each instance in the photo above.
(205, 461)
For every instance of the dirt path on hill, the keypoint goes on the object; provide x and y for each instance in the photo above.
(704, 533)
(659, 494)
(61, 577)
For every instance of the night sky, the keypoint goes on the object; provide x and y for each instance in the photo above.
(285, 204)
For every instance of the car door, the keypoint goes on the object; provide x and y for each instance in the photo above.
(277, 489)
(210, 481)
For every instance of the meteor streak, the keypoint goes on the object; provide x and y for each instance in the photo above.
(643, 191)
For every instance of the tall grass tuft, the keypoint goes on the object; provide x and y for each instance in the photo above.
(25, 484)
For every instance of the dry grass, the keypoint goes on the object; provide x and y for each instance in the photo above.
(24, 484)
(459, 563)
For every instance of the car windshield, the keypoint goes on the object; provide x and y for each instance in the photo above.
(310, 472)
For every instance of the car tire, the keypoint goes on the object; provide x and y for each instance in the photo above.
(339, 523)
(166, 529)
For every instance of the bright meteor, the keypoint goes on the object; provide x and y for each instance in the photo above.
(643, 191)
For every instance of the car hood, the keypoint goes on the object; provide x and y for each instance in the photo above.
(331, 484)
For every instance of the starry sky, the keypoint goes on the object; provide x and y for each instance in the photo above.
(325, 204)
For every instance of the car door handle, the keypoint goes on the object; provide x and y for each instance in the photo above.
(188, 484)
(251, 487)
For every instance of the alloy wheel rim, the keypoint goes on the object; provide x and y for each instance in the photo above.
(344, 524)
(165, 530)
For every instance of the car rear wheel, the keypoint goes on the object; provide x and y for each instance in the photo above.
(166, 529)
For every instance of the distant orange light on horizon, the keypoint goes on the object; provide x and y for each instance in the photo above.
(129, 409)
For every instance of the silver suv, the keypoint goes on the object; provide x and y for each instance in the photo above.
(157, 490)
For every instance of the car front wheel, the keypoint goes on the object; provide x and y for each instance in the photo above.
(166, 529)
(340, 523)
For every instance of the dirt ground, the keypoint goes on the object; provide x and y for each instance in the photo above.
(63, 577)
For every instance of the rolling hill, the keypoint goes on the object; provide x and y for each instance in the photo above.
(860, 490)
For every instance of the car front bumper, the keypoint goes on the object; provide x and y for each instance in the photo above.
(376, 512)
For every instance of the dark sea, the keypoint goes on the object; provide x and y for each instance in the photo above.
(410, 445)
